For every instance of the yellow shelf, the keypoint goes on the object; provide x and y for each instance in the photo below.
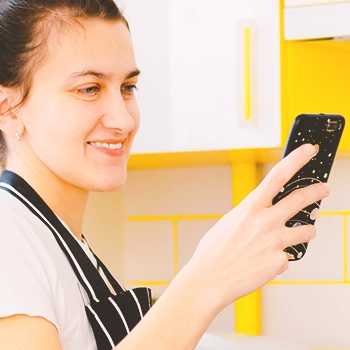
(204, 158)
(212, 158)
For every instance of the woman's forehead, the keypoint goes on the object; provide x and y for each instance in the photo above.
(98, 45)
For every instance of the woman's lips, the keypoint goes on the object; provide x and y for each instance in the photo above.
(107, 145)
(108, 148)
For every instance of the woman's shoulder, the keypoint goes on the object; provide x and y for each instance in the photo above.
(21, 231)
(36, 275)
(13, 214)
(9, 204)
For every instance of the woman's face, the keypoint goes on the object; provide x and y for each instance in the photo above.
(81, 116)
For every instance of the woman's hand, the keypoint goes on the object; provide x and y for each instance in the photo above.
(241, 253)
(244, 250)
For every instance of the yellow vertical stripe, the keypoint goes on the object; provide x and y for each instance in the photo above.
(248, 310)
(248, 314)
(247, 74)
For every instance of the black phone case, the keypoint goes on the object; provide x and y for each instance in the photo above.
(314, 129)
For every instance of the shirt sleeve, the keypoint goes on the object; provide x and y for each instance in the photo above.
(26, 285)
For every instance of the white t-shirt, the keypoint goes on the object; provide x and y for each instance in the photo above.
(36, 278)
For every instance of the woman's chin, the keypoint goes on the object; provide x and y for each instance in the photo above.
(108, 188)
(109, 185)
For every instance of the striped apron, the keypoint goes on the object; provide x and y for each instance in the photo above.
(111, 316)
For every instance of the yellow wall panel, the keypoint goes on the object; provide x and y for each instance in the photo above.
(316, 77)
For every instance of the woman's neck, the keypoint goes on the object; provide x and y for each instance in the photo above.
(64, 199)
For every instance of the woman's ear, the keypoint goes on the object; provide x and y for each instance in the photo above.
(9, 121)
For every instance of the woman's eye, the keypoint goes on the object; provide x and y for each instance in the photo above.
(129, 89)
(89, 91)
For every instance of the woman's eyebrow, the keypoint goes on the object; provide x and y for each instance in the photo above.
(134, 73)
(84, 73)
(100, 75)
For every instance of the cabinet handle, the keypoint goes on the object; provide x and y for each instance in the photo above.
(247, 73)
(247, 114)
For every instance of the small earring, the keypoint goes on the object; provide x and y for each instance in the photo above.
(18, 137)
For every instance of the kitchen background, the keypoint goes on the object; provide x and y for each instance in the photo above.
(220, 86)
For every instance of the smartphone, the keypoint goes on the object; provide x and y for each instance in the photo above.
(323, 130)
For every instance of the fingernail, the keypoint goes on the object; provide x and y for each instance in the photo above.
(311, 150)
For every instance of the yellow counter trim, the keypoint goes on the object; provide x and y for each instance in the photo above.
(174, 217)
(308, 282)
(203, 158)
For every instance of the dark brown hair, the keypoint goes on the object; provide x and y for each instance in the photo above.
(25, 26)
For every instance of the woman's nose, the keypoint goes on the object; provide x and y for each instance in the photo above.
(117, 115)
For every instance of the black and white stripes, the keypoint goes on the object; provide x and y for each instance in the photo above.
(111, 316)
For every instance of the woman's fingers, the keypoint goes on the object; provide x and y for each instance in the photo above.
(296, 235)
(244, 250)
(299, 199)
(282, 172)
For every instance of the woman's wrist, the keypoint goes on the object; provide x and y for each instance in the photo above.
(198, 286)
(180, 316)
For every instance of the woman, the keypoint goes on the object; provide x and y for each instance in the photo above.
(68, 117)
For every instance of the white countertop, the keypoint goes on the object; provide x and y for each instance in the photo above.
(243, 342)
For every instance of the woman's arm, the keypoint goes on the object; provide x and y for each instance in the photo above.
(23, 332)
(240, 254)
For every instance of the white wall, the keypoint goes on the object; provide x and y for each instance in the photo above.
(316, 312)
(104, 226)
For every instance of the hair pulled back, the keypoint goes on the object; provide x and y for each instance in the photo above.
(24, 29)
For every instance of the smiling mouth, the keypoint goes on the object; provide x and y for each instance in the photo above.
(111, 146)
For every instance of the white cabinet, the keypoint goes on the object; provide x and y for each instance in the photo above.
(210, 74)
(304, 20)
(294, 3)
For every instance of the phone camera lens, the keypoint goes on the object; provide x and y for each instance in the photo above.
(332, 125)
